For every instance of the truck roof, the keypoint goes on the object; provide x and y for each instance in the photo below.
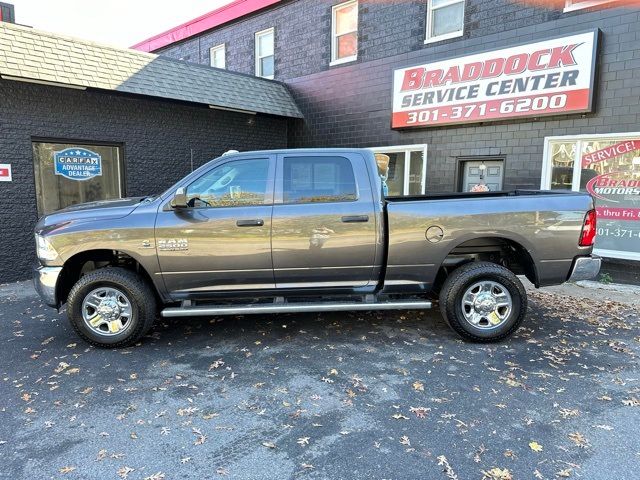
(301, 150)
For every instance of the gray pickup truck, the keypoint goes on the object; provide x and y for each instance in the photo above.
(307, 231)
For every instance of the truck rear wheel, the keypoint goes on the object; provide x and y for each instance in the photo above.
(483, 301)
(111, 307)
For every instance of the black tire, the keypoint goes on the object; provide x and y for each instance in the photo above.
(139, 293)
(464, 278)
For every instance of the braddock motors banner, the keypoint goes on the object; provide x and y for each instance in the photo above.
(611, 171)
(545, 78)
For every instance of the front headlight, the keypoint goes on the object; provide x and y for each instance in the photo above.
(44, 249)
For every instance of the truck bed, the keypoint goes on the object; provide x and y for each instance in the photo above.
(425, 230)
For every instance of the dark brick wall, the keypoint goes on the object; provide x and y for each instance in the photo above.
(157, 136)
(351, 106)
(386, 28)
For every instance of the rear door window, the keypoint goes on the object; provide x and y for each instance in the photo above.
(318, 180)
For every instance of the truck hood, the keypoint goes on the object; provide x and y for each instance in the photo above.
(101, 210)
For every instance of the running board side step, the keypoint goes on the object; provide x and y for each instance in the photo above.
(293, 307)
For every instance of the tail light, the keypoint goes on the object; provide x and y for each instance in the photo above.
(588, 234)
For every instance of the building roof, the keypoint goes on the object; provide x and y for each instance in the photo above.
(220, 16)
(41, 57)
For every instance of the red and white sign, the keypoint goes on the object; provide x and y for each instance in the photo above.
(5, 172)
(551, 77)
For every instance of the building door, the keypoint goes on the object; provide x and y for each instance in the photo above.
(478, 173)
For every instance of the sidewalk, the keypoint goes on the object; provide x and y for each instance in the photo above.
(614, 292)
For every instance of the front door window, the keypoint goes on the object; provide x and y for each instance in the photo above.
(71, 173)
(239, 183)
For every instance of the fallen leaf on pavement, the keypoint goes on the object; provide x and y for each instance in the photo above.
(535, 446)
(496, 474)
(123, 472)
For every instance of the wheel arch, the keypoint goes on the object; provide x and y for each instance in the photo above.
(89, 260)
(510, 251)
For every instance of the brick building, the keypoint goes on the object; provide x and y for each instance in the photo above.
(143, 121)
(339, 60)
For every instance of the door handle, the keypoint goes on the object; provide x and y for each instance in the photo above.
(355, 219)
(256, 222)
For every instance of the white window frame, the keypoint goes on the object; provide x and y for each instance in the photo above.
(223, 47)
(334, 36)
(268, 31)
(407, 149)
(429, 38)
(571, 6)
(547, 164)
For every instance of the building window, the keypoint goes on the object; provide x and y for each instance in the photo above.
(445, 19)
(344, 32)
(407, 170)
(265, 58)
(218, 56)
(607, 167)
(71, 173)
(571, 5)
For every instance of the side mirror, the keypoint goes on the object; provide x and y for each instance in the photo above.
(179, 198)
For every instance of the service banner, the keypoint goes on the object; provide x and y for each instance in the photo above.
(550, 77)
(611, 173)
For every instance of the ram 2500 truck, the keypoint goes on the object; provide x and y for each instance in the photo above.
(307, 231)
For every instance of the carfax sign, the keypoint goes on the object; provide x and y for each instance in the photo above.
(77, 164)
(544, 78)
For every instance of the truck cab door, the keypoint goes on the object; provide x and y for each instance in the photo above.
(324, 226)
(222, 240)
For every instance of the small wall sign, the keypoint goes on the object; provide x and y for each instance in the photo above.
(5, 172)
(77, 164)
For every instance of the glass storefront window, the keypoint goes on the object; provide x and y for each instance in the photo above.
(562, 160)
(395, 181)
(607, 167)
(407, 169)
(416, 165)
(71, 173)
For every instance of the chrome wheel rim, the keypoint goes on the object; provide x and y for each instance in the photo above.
(486, 305)
(107, 311)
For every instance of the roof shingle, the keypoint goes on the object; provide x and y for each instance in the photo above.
(36, 55)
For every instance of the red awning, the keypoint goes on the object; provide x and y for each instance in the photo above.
(222, 15)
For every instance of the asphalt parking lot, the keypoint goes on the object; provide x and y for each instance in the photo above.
(347, 396)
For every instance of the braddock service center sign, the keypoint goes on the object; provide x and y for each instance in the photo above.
(77, 164)
(551, 77)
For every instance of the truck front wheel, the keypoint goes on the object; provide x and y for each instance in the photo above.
(483, 301)
(111, 307)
